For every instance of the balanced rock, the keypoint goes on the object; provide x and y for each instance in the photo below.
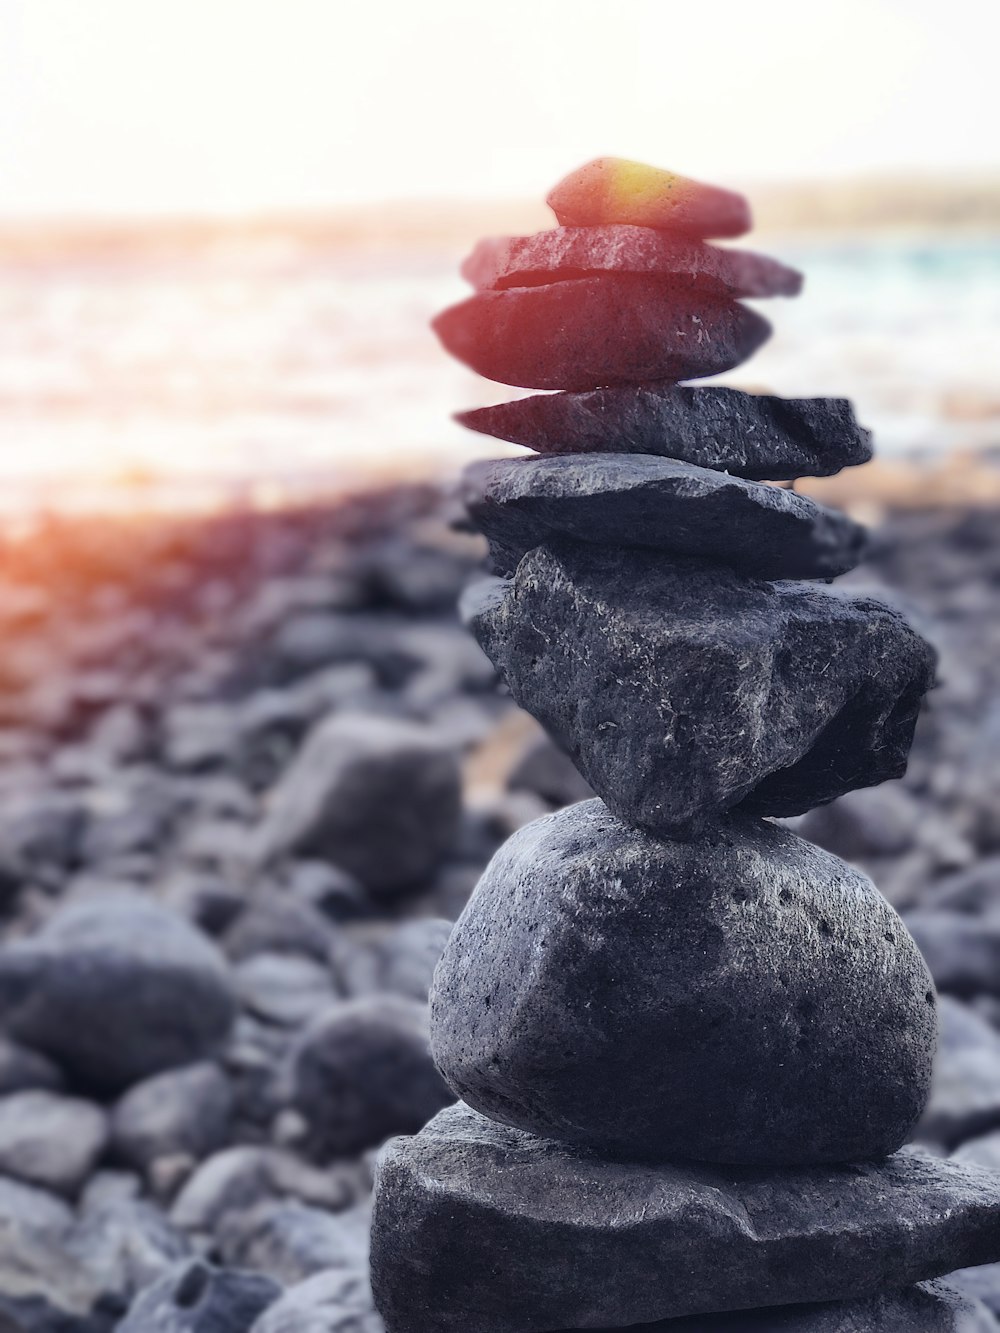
(618, 328)
(680, 689)
(744, 998)
(641, 501)
(613, 189)
(565, 253)
(752, 435)
(477, 1225)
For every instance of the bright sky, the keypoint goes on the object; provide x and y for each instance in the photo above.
(236, 105)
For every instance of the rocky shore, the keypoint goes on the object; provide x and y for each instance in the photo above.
(250, 769)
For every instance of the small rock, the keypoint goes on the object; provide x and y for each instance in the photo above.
(116, 989)
(379, 797)
(127, 1244)
(363, 1071)
(22, 1068)
(275, 922)
(290, 1241)
(615, 991)
(394, 959)
(636, 500)
(283, 989)
(962, 951)
(182, 1111)
(566, 253)
(615, 329)
(613, 189)
(470, 1230)
(50, 1140)
(197, 1298)
(965, 1091)
(710, 675)
(337, 1301)
(751, 435)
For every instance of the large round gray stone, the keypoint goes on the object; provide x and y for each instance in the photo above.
(744, 998)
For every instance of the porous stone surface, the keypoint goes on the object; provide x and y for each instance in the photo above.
(637, 500)
(586, 1243)
(742, 998)
(565, 253)
(618, 328)
(680, 689)
(751, 435)
(379, 797)
(116, 989)
(363, 1071)
(614, 189)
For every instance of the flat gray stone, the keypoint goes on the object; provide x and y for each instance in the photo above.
(563, 253)
(481, 1226)
(743, 998)
(680, 689)
(636, 500)
(751, 435)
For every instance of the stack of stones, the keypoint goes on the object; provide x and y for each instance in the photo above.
(689, 1045)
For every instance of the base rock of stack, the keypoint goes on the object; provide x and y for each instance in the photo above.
(745, 998)
(480, 1226)
(751, 435)
(660, 504)
(565, 253)
(680, 690)
(619, 328)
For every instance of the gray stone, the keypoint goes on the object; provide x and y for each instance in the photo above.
(362, 1071)
(744, 998)
(981, 1151)
(614, 329)
(116, 989)
(980, 1284)
(22, 1068)
(679, 689)
(965, 1091)
(337, 1301)
(50, 1140)
(379, 797)
(564, 253)
(480, 1226)
(283, 989)
(291, 1241)
(394, 959)
(194, 1297)
(751, 435)
(182, 1111)
(126, 1244)
(276, 922)
(962, 951)
(636, 500)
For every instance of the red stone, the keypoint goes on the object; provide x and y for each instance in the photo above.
(610, 330)
(574, 252)
(610, 189)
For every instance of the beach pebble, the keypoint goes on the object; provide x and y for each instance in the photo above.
(636, 500)
(748, 434)
(378, 797)
(743, 998)
(362, 1071)
(962, 951)
(194, 1297)
(180, 1112)
(465, 1191)
(679, 689)
(614, 189)
(965, 1092)
(395, 959)
(50, 1140)
(116, 989)
(336, 1301)
(291, 1241)
(618, 328)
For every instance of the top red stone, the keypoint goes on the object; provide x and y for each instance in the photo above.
(610, 189)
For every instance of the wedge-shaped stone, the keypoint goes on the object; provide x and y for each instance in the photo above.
(680, 689)
(745, 997)
(752, 435)
(613, 189)
(659, 503)
(618, 328)
(482, 1227)
(578, 252)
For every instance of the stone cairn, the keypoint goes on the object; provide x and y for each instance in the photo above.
(689, 1045)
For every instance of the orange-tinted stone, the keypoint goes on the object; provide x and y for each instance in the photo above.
(611, 189)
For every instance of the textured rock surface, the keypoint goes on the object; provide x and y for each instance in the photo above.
(613, 189)
(116, 989)
(565, 253)
(751, 435)
(477, 1225)
(743, 998)
(377, 796)
(680, 690)
(636, 500)
(619, 328)
(363, 1071)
